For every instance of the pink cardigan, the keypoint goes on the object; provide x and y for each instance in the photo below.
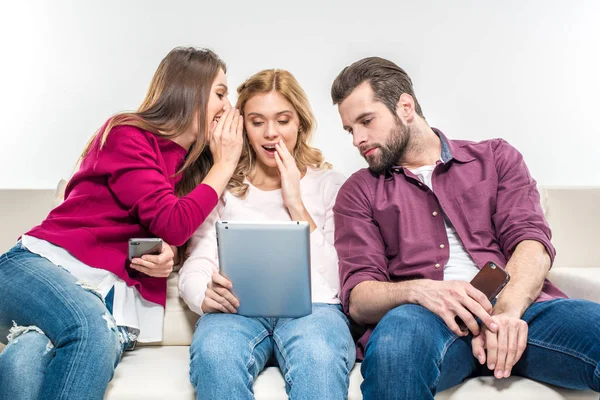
(123, 191)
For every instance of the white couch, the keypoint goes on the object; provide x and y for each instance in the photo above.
(161, 371)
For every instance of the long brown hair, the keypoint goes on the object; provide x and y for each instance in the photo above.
(179, 91)
(284, 83)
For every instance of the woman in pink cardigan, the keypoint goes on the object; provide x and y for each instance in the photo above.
(67, 288)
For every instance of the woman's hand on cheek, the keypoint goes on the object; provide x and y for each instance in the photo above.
(290, 176)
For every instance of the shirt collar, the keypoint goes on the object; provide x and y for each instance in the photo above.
(452, 150)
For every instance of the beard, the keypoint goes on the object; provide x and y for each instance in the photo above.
(392, 151)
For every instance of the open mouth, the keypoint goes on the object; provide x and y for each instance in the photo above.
(269, 148)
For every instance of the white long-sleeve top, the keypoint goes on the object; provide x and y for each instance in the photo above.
(318, 189)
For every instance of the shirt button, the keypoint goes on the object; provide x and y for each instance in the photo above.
(434, 213)
(437, 265)
(442, 246)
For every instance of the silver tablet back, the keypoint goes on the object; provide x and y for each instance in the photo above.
(269, 266)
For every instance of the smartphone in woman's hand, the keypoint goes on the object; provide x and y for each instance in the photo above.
(142, 246)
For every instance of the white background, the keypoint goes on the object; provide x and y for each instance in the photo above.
(527, 71)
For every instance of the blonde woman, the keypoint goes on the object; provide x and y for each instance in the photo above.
(279, 177)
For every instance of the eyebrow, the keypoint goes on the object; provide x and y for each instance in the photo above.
(279, 113)
(361, 116)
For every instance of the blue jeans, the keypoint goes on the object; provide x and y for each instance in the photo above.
(315, 354)
(64, 343)
(412, 354)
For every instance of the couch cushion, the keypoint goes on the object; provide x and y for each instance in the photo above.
(578, 282)
(489, 388)
(179, 319)
(152, 372)
(157, 372)
(571, 215)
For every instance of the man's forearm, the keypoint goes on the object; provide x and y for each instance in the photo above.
(371, 300)
(527, 267)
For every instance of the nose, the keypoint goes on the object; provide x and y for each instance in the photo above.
(271, 132)
(358, 137)
(227, 104)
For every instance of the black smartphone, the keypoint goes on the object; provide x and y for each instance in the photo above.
(490, 280)
(142, 246)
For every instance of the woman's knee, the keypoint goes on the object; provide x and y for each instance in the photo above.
(23, 362)
(96, 335)
(28, 346)
(215, 347)
(326, 340)
(322, 354)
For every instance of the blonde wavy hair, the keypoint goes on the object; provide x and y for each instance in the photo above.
(284, 83)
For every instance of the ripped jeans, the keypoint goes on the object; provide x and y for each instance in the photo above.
(63, 342)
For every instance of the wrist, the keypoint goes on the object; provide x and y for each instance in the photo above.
(413, 291)
(296, 208)
(227, 167)
(514, 310)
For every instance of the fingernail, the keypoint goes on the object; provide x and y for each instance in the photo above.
(481, 359)
(494, 326)
(492, 366)
(506, 374)
(498, 374)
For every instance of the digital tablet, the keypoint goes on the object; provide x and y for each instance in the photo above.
(268, 264)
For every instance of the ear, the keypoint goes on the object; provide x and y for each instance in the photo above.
(405, 108)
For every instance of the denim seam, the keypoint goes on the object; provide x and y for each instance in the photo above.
(438, 363)
(253, 343)
(281, 348)
(575, 354)
(284, 323)
(348, 367)
(76, 311)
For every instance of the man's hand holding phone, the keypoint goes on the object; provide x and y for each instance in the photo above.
(449, 299)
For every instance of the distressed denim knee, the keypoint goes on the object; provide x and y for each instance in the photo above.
(99, 338)
(23, 363)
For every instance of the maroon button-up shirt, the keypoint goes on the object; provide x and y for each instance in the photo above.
(390, 227)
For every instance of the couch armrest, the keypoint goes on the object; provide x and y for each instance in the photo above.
(577, 283)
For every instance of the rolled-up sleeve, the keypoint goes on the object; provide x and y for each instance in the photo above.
(358, 242)
(519, 215)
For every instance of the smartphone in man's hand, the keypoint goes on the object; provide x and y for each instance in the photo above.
(490, 280)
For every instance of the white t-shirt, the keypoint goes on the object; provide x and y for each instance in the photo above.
(460, 265)
(318, 189)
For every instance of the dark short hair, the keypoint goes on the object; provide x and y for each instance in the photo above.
(387, 80)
